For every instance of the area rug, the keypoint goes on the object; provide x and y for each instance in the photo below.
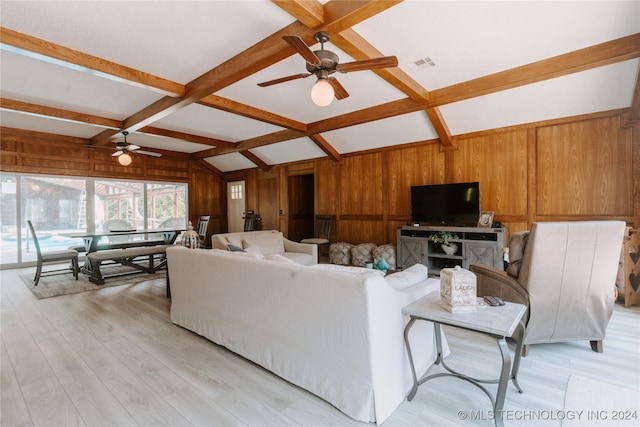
(65, 284)
(591, 402)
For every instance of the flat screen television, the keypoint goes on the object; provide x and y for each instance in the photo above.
(455, 204)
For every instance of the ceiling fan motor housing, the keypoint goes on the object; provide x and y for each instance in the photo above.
(328, 61)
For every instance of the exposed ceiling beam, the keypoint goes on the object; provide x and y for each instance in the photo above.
(209, 166)
(441, 128)
(588, 58)
(58, 113)
(309, 12)
(634, 114)
(214, 142)
(358, 48)
(342, 14)
(238, 108)
(378, 112)
(328, 149)
(256, 160)
(70, 58)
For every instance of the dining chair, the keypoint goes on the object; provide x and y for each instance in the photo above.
(250, 221)
(53, 257)
(203, 224)
(321, 232)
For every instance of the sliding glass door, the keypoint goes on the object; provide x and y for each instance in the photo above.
(65, 204)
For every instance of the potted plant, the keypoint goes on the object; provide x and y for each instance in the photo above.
(444, 239)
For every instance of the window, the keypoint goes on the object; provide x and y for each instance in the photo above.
(63, 204)
(236, 192)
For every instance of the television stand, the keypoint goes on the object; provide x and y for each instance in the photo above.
(476, 245)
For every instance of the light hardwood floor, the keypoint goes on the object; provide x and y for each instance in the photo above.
(113, 358)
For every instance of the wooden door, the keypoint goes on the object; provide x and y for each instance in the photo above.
(267, 204)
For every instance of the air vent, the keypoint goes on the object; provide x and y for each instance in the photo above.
(423, 63)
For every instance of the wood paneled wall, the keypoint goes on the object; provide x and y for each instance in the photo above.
(578, 168)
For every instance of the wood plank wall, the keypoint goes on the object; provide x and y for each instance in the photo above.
(577, 168)
(580, 168)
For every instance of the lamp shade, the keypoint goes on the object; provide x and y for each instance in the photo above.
(124, 159)
(322, 93)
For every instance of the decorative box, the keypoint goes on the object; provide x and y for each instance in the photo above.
(458, 290)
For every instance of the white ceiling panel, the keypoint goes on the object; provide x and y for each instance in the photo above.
(177, 40)
(40, 82)
(11, 119)
(289, 151)
(382, 133)
(205, 121)
(587, 92)
(164, 143)
(470, 39)
(231, 162)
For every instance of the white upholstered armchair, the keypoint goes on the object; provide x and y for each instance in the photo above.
(565, 273)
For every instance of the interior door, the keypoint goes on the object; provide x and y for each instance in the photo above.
(235, 206)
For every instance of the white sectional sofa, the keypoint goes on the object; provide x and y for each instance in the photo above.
(335, 331)
(267, 242)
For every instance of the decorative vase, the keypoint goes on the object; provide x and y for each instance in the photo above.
(450, 249)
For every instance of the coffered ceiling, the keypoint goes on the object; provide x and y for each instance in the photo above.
(182, 75)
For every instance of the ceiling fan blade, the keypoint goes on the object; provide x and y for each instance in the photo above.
(301, 47)
(132, 147)
(368, 64)
(117, 153)
(148, 153)
(284, 79)
(339, 91)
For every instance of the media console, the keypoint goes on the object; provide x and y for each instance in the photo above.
(475, 246)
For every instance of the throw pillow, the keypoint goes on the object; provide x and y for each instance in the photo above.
(517, 243)
(408, 277)
(234, 248)
(267, 243)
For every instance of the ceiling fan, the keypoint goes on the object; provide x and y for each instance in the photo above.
(322, 63)
(123, 148)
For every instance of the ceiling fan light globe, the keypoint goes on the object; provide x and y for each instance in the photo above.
(124, 159)
(322, 93)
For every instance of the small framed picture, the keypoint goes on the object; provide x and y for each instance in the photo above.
(485, 219)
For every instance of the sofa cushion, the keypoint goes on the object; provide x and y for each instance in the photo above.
(300, 258)
(349, 269)
(267, 243)
(408, 277)
(279, 258)
(517, 244)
